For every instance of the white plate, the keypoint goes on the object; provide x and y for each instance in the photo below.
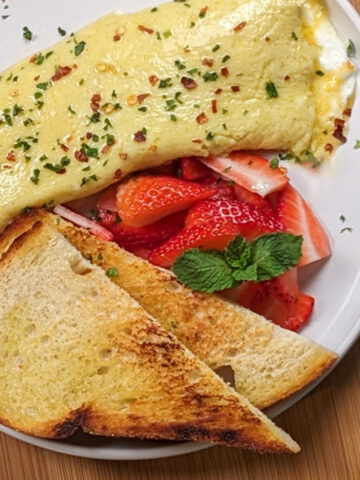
(334, 192)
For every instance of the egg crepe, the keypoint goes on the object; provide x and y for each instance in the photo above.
(134, 91)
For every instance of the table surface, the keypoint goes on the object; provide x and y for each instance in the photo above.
(326, 424)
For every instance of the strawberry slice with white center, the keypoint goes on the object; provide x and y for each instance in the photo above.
(299, 219)
(145, 199)
(249, 171)
(251, 220)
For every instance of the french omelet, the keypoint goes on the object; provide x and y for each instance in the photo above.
(186, 78)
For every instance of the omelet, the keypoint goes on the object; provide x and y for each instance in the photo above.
(186, 78)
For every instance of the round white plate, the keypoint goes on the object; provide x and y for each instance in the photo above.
(334, 191)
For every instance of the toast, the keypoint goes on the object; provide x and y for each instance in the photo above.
(269, 362)
(77, 351)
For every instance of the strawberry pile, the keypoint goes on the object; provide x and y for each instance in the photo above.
(204, 204)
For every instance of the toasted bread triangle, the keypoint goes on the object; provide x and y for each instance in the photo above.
(269, 362)
(76, 351)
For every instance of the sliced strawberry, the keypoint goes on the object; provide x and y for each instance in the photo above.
(249, 171)
(208, 235)
(298, 219)
(290, 313)
(146, 199)
(285, 287)
(223, 189)
(192, 169)
(251, 221)
(149, 236)
(246, 196)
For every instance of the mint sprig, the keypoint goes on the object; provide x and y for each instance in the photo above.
(265, 258)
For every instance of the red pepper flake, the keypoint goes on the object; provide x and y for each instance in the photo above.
(118, 173)
(36, 78)
(142, 97)
(188, 83)
(139, 137)
(149, 31)
(61, 171)
(116, 38)
(153, 79)
(79, 155)
(187, 49)
(214, 106)
(208, 61)
(89, 135)
(74, 66)
(33, 58)
(95, 102)
(338, 122)
(64, 147)
(203, 12)
(338, 133)
(240, 26)
(328, 148)
(105, 149)
(61, 72)
(224, 72)
(197, 140)
(267, 39)
(218, 91)
(347, 112)
(201, 119)
(235, 88)
(11, 157)
(123, 155)
(287, 78)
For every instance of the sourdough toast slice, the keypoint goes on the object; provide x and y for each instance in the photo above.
(269, 362)
(77, 351)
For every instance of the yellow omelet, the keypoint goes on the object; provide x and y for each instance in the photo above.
(130, 92)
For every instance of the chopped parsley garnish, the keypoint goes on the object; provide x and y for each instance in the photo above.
(28, 121)
(38, 95)
(108, 125)
(179, 64)
(112, 272)
(209, 136)
(210, 76)
(79, 48)
(71, 110)
(27, 34)
(17, 110)
(274, 163)
(89, 151)
(320, 73)
(357, 144)
(142, 109)
(165, 83)
(225, 58)
(271, 90)
(86, 180)
(346, 229)
(61, 31)
(58, 167)
(153, 10)
(216, 47)
(95, 118)
(294, 36)
(351, 50)
(35, 176)
(43, 85)
(173, 117)
(22, 143)
(342, 218)
(167, 34)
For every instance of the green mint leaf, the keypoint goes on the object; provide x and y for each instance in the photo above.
(203, 271)
(238, 253)
(275, 253)
(249, 274)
